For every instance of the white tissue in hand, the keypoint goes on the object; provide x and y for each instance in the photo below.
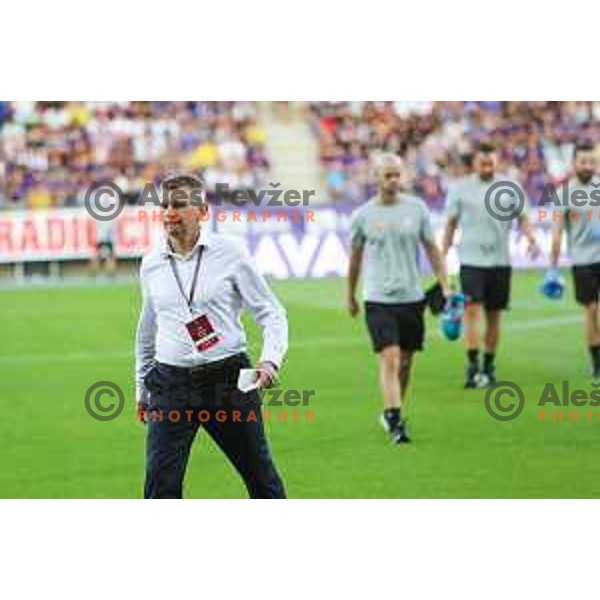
(248, 380)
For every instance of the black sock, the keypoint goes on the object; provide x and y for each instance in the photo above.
(392, 416)
(473, 357)
(488, 361)
(595, 354)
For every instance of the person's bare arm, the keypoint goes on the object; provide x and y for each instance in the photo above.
(557, 233)
(527, 230)
(438, 265)
(356, 255)
(448, 238)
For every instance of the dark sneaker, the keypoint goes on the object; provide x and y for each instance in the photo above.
(400, 434)
(471, 381)
(490, 373)
(390, 418)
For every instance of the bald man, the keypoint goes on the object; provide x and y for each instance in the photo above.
(386, 234)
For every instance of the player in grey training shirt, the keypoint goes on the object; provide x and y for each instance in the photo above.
(483, 251)
(386, 233)
(579, 217)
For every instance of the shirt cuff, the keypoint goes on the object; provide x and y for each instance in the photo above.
(273, 357)
(139, 390)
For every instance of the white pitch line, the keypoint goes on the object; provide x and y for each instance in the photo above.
(313, 342)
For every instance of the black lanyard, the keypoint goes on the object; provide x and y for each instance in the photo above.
(189, 299)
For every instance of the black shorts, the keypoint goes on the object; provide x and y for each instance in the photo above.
(489, 286)
(396, 325)
(587, 283)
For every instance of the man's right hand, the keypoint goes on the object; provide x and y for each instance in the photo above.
(353, 307)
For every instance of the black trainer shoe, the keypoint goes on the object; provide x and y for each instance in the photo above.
(389, 424)
(490, 373)
(471, 381)
(400, 434)
(596, 372)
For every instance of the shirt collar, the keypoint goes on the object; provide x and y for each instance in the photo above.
(203, 240)
(399, 196)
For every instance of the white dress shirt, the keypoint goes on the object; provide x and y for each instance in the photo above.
(228, 281)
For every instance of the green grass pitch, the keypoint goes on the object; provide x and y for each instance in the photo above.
(56, 342)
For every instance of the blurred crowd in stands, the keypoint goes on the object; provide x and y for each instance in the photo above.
(534, 139)
(52, 152)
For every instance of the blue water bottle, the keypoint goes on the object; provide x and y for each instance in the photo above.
(553, 286)
(452, 317)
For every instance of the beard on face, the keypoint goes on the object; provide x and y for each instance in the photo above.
(585, 175)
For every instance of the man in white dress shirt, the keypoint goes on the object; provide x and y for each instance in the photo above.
(190, 347)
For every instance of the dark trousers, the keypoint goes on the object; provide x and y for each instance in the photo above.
(180, 402)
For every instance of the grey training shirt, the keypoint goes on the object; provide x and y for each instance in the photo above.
(391, 234)
(581, 223)
(484, 240)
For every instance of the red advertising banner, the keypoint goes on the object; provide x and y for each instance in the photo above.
(67, 234)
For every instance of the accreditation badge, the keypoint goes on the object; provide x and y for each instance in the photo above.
(202, 332)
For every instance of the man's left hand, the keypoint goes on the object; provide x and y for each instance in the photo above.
(267, 375)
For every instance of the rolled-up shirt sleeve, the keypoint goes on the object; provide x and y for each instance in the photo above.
(145, 339)
(265, 308)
